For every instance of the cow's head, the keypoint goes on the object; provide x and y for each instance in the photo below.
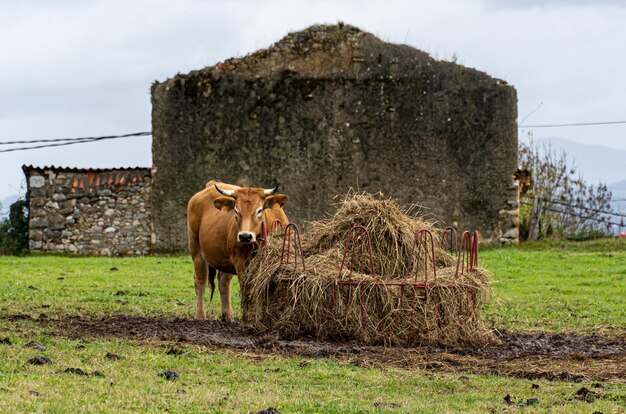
(247, 205)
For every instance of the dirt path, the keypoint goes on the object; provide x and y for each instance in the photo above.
(565, 357)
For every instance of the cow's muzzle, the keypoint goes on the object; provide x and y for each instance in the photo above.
(246, 237)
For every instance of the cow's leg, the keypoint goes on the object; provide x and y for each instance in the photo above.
(200, 267)
(224, 286)
(200, 279)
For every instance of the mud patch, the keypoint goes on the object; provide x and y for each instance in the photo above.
(39, 360)
(80, 372)
(112, 356)
(169, 375)
(36, 345)
(561, 357)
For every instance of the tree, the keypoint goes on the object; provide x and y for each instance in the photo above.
(14, 230)
(561, 203)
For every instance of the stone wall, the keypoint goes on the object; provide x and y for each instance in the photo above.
(332, 108)
(89, 211)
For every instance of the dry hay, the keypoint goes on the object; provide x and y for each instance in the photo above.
(295, 301)
(391, 227)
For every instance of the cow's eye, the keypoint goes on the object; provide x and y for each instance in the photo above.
(259, 212)
(236, 212)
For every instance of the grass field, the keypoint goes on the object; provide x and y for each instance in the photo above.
(571, 287)
(559, 286)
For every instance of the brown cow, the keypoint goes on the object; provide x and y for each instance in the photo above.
(224, 225)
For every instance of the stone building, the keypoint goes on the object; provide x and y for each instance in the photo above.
(89, 211)
(332, 108)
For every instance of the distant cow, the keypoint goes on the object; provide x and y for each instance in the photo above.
(224, 223)
(525, 180)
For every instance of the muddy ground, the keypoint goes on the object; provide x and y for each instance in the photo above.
(551, 356)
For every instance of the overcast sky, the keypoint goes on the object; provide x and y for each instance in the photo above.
(71, 68)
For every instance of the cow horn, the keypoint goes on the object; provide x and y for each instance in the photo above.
(270, 191)
(229, 193)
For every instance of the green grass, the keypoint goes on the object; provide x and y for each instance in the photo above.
(547, 286)
(558, 286)
(223, 381)
(148, 286)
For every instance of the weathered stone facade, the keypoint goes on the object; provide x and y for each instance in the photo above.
(330, 108)
(89, 211)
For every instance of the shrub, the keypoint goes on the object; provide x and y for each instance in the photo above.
(14, 230)
(561, 204)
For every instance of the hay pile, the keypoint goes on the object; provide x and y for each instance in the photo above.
(298, 302)
(392, 232)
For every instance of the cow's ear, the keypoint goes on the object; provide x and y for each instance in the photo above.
(222, 202)
(279, 199)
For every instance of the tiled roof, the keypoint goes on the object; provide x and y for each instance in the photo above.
(29, 168)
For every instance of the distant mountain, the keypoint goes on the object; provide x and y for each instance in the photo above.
(6, 204)
(619, 190)
(595, 163)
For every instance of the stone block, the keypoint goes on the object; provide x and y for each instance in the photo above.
(34, 245)
(36, 235)
(39, 223)
(68, 203)
(36, 181)
(56, 221)
(513, 203)
(38, 212)
(511, 234)
(66, 211)
(37, 192)
(38, 202)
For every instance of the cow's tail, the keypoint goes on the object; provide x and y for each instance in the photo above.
(212, 274)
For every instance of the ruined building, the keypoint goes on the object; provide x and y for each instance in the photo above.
(332, 108)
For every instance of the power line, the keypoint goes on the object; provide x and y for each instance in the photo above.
(36, 141)
(59, 142)
(572, 125)
(83, 140)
